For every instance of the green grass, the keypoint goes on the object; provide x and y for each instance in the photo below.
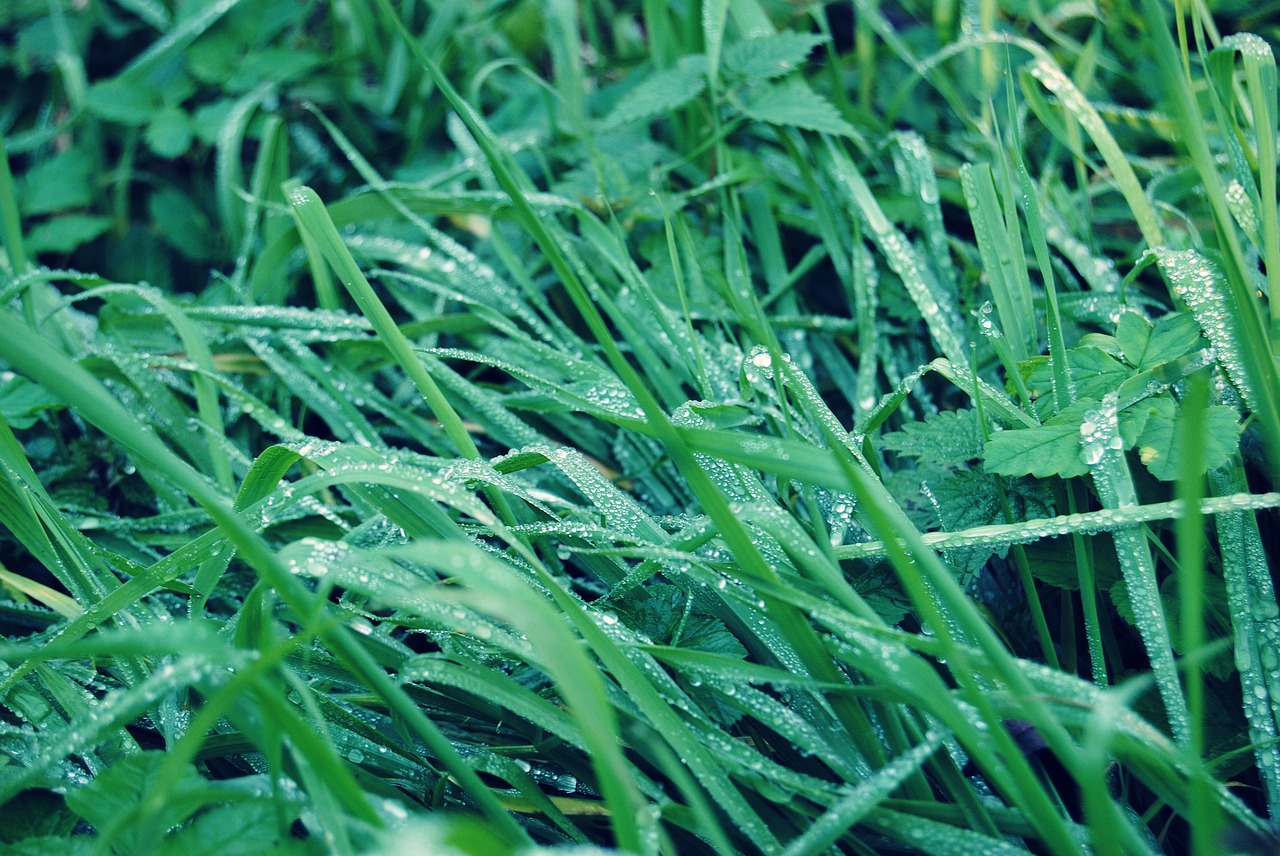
(736, 427)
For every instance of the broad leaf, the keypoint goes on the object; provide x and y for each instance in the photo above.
(770, 56)
(1145, 345)
(663, 91)
(1161, 451)
(793, 103)
(947, 438)
(1047, 450)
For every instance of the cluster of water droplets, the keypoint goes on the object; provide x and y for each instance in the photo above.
(1100, 432)
(1200, 283)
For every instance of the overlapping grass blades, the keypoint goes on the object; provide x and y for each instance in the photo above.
(603, 519)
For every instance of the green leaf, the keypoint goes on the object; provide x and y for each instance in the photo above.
(125, 101)
(22, 402)
(1047, 450)
(663, 91)
(1093, 371)
(36, 812)
(946, 438)
(61, 182)
(180, 222)
(65, 233)
(794, 104)
(1160, 449)
(80, 845)
(771, 56)
(1145, 346)
(239, 829)
(170, 132)
(118, 789)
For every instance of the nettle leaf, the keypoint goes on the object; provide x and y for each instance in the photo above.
(771, 56)
(65, 233)
(947, 438)
(125, 101)
(1145, 345)
(663, 91)
(57, 184)
(661, 612)
(1161, 450)
(1047, 450)
(793, 103)
(170, 132)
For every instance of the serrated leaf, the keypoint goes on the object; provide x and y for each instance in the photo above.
(125, 101)
(59, 183)
(663, 91)
(1047, 450)
(1145, 346)
(65, 233)
(170, 132)
(1133, 420)
(1094, 372)
(947, 438)
(1161, 452)
(771, 56)
(794, 104)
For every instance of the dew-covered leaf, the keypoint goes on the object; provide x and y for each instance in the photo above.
(1093, 371)
(1047, 450)
(1160, 446)
(945, 438)
(118, 790)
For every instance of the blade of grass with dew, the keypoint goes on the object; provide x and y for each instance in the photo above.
(1101, 449)
(554, 248)
(1260, 84)
(1001, 257)
(935, 306)
(1255, 624)
(71, 383)
(1257, 357)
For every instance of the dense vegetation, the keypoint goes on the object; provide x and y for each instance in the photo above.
(683, 427)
